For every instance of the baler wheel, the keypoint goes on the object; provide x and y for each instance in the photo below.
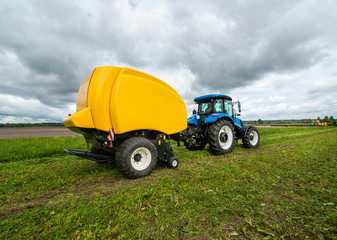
(221, 137)
(172, 162)
(136, 157)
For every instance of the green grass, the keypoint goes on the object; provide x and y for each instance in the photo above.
(284, 189)
(18, 149)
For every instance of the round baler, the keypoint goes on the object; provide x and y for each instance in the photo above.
(128, 117)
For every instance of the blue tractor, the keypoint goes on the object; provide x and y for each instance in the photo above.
(217, 124)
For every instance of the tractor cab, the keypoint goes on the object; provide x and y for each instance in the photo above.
(214, 106)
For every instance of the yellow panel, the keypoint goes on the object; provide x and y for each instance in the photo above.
(67, 122)
(138, 74)
(81, 102)
(140, 101)
(81, 119)
(99, 94)
(127, 100)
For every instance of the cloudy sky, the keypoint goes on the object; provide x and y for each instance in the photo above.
(279, 58)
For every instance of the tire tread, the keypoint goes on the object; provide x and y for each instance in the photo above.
(123, 154)
(213, 133)
(245, 139)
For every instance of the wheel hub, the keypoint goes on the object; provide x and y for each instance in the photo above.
(223, 137)
(251, 137)
(141, 158)
(137, 157)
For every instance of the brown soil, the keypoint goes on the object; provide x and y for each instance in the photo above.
(35, 132)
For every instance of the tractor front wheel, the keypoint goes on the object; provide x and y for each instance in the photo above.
(136, 157)
(221, 137)
(251, 138)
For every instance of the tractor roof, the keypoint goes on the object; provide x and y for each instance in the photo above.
(208, 97)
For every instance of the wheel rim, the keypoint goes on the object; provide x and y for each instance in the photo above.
(225, 137)
(253, 138)
(141, 158)
(174, 163)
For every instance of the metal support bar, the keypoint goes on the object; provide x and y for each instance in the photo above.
(100, 158)
(164, 148)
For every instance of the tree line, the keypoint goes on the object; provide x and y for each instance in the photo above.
(48, 124)
(305, 122)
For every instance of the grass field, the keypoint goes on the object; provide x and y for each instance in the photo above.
(285, 189)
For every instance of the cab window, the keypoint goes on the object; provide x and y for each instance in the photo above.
(205, 108)
(218, 106)
(228, 107)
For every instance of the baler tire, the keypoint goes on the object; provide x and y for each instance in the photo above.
(251, 138)
(215, 133)
(136, 157)
(172, 162)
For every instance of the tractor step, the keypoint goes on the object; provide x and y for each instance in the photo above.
(100, 158)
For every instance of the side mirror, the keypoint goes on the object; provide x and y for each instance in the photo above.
(239, 106)
(194, 112)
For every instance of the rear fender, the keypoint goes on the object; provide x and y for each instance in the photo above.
(215, 116)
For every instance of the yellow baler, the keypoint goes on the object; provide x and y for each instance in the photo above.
(127, 116)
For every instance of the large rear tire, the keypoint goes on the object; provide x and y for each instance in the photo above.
(221, 137)
(136, 157)
(251, 138)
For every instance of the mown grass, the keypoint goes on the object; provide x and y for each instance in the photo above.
(285, 189)
(18, 149)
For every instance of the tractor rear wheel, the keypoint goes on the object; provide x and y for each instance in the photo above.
(136, 157)
(251, 138)
(221, 137)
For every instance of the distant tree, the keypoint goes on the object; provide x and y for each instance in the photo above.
(326, 118)
(318, 118)
(259, 121)
(331, 118)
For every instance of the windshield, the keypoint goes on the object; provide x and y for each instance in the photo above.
(205, 108)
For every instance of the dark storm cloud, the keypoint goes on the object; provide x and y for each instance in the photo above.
(43, 55)
(226, 44)
(256, 37)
